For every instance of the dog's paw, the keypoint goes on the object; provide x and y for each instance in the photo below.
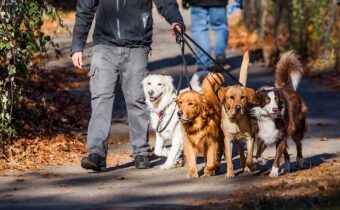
(230, 175)
(192, 176)
(167, 166)
(299, 163)
(192, 173)
(249, 169)
(274, 172)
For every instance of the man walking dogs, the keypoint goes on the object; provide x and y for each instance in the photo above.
(121, 44)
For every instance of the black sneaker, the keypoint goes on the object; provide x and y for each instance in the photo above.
(93, 162)
(142, 162)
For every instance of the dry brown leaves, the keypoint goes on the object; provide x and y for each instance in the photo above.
(239, 37)
(38, 153)
(32, 154)
(306, 189)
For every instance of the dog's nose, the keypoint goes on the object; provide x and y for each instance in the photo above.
(237, 108)
(179, 113)
(151, 92)
(275, 110)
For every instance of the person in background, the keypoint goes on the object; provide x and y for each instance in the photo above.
(204, 12)
(121, 39)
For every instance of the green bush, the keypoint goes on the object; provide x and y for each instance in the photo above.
(22, 46)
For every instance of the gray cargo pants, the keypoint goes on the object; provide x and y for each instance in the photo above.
(131, 65)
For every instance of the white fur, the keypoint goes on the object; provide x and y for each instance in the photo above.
(196, 80)
(267, 131)
(269, 107)
(163, 88)
(274, 172)
(295, 78)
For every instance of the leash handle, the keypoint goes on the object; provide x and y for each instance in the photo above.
(179, 34)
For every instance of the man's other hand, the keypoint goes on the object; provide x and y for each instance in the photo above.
(77, 59)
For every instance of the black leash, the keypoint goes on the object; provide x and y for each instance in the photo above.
(180, 42)
(182, 37)
(158, 130)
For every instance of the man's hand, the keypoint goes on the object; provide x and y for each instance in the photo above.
(179, 28)
(77, 59)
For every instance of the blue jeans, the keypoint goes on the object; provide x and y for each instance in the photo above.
(200, 18)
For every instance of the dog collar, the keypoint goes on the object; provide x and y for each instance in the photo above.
(161, 113)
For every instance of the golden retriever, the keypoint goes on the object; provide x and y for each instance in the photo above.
(200, 116)
(236, 123)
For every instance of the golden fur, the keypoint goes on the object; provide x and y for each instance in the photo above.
(200, 120)
(235, 122)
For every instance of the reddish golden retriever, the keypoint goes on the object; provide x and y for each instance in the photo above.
(200, 117)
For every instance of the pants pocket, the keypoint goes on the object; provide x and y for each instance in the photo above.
(92, 76)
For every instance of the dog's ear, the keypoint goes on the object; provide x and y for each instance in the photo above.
(222, 93)
(257, 99)
(250, 94)
(169, 84)
(206, 110)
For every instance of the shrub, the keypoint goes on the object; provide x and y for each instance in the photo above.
(22, 46)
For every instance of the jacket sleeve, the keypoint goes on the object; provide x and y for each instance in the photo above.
(169, 9)
(84, 16)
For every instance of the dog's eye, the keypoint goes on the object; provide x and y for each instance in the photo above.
(181, 102)
(190, 104)
(267, 100)
(149, 83)
(276, 99)
(242, 97)
(159, 84)
(232, 97)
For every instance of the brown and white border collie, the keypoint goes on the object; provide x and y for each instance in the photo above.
(280, 112)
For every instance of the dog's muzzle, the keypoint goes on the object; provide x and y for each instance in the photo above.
(181, 119)
(154, 98)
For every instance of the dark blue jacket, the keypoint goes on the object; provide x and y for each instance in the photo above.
(125, 23)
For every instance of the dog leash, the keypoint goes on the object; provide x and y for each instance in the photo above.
(182, 41)
(181, 44)
(161, 117)
(181, 37)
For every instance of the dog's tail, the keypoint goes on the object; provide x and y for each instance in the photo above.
(212, 82)
(244, 69)
(205, 81)
(289, 71)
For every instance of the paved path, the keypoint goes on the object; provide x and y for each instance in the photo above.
(124, 186)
